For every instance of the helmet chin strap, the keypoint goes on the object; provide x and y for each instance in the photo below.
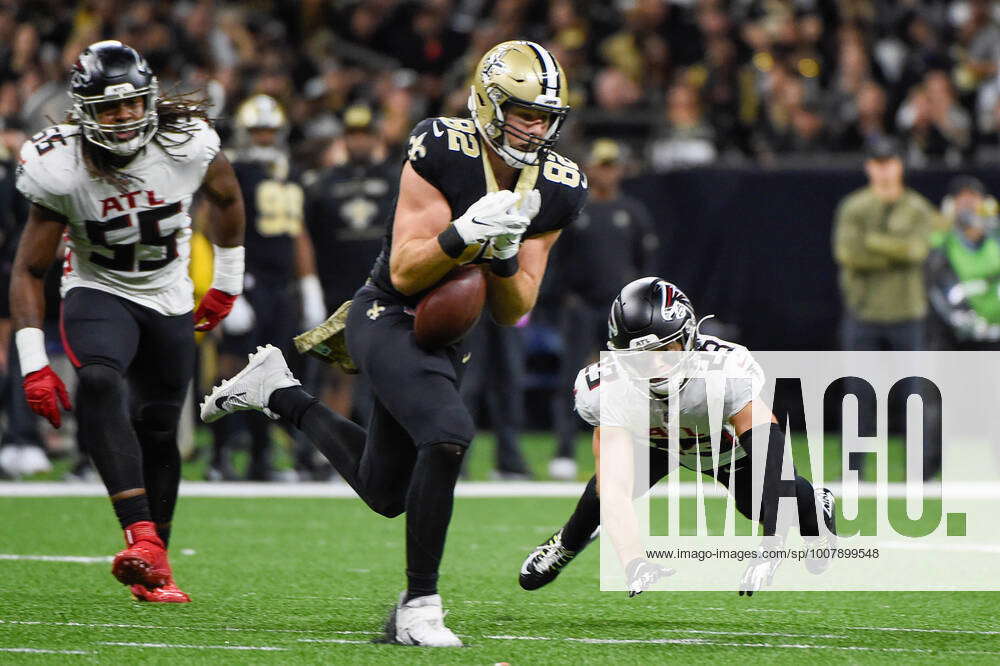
(517, 158)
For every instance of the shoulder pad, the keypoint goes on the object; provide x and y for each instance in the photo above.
(586, 397)
(436, 144)
(197, 143)
(50, 162)
(563, 171)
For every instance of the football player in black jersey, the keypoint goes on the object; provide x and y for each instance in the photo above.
(488, 189)
(347, 209)
(277, 252)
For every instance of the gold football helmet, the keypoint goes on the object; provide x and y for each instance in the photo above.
(261, 112)
(524, 74)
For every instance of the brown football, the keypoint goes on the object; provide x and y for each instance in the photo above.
(451, 308)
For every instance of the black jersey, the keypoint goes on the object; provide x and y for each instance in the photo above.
(448, 153)
(273, 209)
(612, 243)
(347, 208)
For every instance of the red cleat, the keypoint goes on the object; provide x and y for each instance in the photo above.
(168, 593)
(144, 562)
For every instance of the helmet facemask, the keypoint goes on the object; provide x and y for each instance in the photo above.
(87, 110)
(659, 362)
(499, 132)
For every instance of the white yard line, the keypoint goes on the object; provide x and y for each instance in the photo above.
(113, 625)
(42, 651)
(711, 643)
(73, 559)
(264, 648)
(973, 490)
(931, 631)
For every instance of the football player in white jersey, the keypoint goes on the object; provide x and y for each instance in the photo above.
(116, 182)
(653, 314)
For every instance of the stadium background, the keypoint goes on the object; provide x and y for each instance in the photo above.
(744, 121)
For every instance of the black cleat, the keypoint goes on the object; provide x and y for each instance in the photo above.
(826, 542)
(546, 561)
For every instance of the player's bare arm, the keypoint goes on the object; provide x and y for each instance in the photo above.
(222, 191)
(510, 298)
(617, 484)
(226, 225)
(35, 253)
(755, 413)
(422, 213)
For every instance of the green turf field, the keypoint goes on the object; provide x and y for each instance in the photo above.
(288, 581)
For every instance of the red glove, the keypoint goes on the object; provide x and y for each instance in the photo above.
(41, 389)
(213, 308)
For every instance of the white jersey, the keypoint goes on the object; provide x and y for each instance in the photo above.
(724, 362)
(133, 244)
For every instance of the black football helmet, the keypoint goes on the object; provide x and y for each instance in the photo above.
(647, 315)
(107, 72)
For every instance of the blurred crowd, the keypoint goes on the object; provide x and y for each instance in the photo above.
(680, 82)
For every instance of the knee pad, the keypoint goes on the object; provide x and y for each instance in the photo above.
(99, 380)
(444, 456)
(390, 508)
(447, 450)
(446, 423)
(159, 416)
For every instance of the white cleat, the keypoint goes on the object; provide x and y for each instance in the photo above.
(420, 621)
(251, 388)
(562, 469)
(23, 460)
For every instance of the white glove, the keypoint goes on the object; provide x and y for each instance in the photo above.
(241, 318)
(313, 307)
(491, 216)
(641, 574)
(506, 246)
(760, 571)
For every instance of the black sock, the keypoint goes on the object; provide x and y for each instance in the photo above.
(429, 504)
(585, 519)
(163, 531)
(132, 510)
(805, 499)
(420, 585)
(340, 440)
(291, 403)
(161, 460)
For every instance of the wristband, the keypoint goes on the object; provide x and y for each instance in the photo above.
(504, 267)
(311, 288)
(227, 269)
(451, 242)
(31, 350)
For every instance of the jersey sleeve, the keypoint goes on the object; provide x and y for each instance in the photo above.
(423, 153)
(564, 193)
(196, 146)
(586, 396)
(744, 380)
(620, 408)
(45, 171)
